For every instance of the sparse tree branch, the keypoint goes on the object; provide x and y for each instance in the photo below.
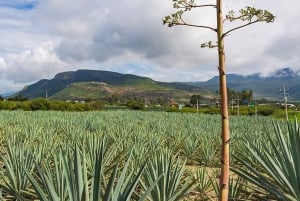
(230, 18)
(208, 44)
(199, 26)
(176, 19)
(250, 14)
(188, 5)
(206, 5)
(197, 6)
(239, 27)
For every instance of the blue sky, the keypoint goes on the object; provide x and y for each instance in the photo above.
(40, 38)
(19, 5)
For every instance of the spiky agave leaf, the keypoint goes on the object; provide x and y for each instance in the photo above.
(14, 180)
(79, 186)
(278, 173)
(171, 186)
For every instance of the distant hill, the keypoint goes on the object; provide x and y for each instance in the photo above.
(262, 87)
(96, 84)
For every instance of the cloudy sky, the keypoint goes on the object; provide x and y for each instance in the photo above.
(39, 38)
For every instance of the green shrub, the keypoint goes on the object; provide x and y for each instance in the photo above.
(135, 105)
(24, 105)
(213, 110)
(40, 104)
(266, 111)
(95, 105)
(7, 105)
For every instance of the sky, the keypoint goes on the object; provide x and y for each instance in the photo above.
(39, 38)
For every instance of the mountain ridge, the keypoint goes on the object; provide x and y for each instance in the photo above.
(262, 86)
(75, 84)
(97, 84)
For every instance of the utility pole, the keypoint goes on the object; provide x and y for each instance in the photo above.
(285, 97)
(238, 105)
(197, 105)
(255, 104)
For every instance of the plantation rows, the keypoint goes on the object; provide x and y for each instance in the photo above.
(124, 155)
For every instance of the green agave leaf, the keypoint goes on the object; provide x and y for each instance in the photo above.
(280, 176)
(38, 188)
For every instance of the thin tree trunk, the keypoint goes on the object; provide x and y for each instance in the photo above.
(224, 178)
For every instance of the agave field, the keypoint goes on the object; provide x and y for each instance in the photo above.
(135, 155)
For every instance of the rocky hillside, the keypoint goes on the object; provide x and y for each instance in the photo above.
(96, 84)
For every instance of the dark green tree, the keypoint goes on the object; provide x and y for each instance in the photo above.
(232, 93)
(18, 97)
(246, 16)
(113, 98)
(195, 99)
(135, 105)
(40, 104)
(246, 95)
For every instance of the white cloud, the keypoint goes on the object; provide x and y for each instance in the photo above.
(108, 35)
(31, 65)
(2, 64)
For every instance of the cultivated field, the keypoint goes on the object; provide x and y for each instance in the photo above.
(123, 155)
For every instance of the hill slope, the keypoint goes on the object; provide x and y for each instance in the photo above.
(96, 84)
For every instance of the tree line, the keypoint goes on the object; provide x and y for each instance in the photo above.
(244, 97)
(44, 104)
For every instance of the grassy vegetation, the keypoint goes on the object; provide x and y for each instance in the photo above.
(260, 110)
(272, 110)
(78, 90)
(139, 89)
(124, 154)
